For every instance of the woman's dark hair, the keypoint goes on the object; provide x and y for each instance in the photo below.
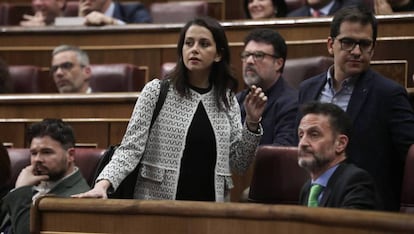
(279, 6)
(221, 75)
(6, 84)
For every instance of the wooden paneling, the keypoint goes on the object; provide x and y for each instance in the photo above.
(89, 132)
(69, 215)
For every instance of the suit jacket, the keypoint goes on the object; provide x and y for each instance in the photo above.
(278, 119)
(17, 203)
(134, 12)
(348, 187)
(306, 10)
(383, 129)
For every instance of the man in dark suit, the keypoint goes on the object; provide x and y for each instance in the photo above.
(263, 60)
(52, 171)
(108, 12)
(383, 119)
(323, 137)
(317, 8)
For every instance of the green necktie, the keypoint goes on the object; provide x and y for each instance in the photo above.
(314, 194)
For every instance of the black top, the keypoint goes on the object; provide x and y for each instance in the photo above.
(196, 181)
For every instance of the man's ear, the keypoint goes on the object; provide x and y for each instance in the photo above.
(329, 45)
(341, 143)
(71, 154)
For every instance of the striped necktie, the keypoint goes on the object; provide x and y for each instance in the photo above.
(315, 190)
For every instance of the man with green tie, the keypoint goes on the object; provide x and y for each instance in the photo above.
(323, 137)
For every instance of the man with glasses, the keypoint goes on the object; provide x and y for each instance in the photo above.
(383, 119)
(70, 69)
(52, 170)
(263, 60)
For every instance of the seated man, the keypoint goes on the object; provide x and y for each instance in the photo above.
(317, 8)
(108, 12)
(323, 137)
(45, 12)
(70, 69)
(52, 171)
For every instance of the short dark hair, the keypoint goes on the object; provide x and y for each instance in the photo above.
(272, 37)
(54, 128)
(279, 5)
(338, 118)
(355, 13)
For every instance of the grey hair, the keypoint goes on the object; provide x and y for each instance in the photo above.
(82, 56)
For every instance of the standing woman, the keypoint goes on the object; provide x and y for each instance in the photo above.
(264, 9)
(197, 138)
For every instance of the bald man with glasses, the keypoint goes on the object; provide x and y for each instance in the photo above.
(70, 69)
(383, 119)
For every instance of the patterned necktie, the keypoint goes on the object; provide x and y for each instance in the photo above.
(314, 194)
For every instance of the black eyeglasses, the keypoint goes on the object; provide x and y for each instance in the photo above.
(257, 55)
(348, 44)
(64, 66)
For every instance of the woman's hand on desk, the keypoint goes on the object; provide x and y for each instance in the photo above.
(98, 191)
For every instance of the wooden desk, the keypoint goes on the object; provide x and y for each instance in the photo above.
(69, 215)
(153, 44)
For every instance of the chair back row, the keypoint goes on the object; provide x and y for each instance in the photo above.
(105, 78)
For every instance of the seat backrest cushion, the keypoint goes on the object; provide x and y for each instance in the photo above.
(117, 78)
(25, 78)
(299, 69)
(71, 9)
(87, 160)
(277, 177)
(177, 12)
(407, 193)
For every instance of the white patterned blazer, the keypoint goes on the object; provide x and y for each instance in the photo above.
(159, 152)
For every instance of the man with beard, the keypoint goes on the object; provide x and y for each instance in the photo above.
(263, 60)
(52, 171)
(71, 70)
(45, 12)
(379, 145)
(323, 137)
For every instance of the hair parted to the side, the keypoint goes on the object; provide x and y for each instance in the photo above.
(271, 37)
(221, 76)
(356, 14)
(338, 118)
(82, 56)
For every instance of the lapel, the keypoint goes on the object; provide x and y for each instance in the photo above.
(66, 184)
(327, 192)
(359, 95)
(273, 94)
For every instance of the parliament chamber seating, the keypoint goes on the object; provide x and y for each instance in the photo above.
(407, 193)
(118, 77)
(299, 69)
(25, 78)
(12, 13)
(86, 159)
(177, 11)
(277, 177)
